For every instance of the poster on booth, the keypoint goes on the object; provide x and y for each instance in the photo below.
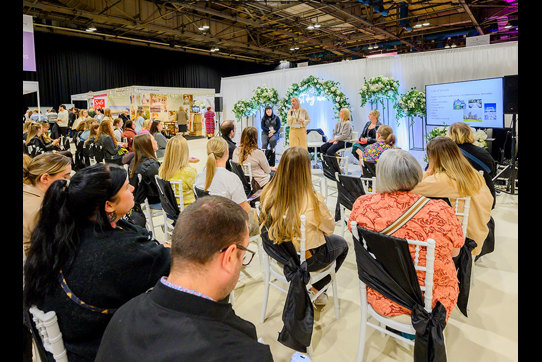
(99, 101)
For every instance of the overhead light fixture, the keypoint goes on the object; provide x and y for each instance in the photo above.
(91, 28)
(317, 25)
(370, 47)
(418, 25)
(453, 45)
(205, 27)
(292, 49)
(507, 26)
(214, 49)
(310, 27)
(296, 48)
(426, 24)
(447, 46)
(376, 46)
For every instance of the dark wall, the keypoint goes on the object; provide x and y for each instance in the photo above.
(71, 65)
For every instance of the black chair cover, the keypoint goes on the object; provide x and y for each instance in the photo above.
(349, 189)
(298, 312)
(489, 243)
(330, 165)
(391, 272)
(238, 170)
(369, 169)
(463, 265)
(200, 193)
(167, 198)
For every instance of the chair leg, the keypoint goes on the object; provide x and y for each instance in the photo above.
(266, 294)
(343, 226)
(335, 296)
(362, 328)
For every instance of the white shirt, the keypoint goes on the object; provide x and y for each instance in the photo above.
(225, 183)
(62, 119)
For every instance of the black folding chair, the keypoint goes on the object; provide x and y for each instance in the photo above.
(238, 170)
(170, 209)
(330, 166)
(369, 169)
(199, 192)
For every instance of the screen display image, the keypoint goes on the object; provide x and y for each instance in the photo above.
(478, 103)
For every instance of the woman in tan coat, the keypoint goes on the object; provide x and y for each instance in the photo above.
(38, 174)
(298, 119)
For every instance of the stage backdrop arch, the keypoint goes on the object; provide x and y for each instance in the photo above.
(412, 70)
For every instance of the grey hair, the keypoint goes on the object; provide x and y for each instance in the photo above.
(397, 170)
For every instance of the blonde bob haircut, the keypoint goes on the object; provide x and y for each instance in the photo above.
(460, 133)
(345, 114)
(445, 157)
(397, 170)
(216, 148)
(175, 157)
(376, 113)
(283, 198)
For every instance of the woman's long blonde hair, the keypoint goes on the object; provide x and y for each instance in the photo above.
(249, 142)
(46, 163)
(283, 198)
(175, 157)
(216, 148)
(33, 130)
(445, 157)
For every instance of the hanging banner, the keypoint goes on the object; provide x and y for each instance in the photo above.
(29, 58)
(99, 101)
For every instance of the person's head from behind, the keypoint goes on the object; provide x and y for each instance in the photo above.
(444, 156)
(344, 114)
(126, 111)
(286, 194)
(217, 151)
(97, 195)
(385, 134)
(209, 242)
(397, 170)
(117, 123)
(249, 142)
(107, 113)
(42, 170)
(99, 111)
(36, 111)
(175, 157)
(106, 128)
(34, 129)
(129, 124)
(156, 126)
(227, 129)
(460, 133)
(27, 125)
(144, 146)
(146, 124)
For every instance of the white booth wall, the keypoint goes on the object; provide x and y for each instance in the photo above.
(412, 70)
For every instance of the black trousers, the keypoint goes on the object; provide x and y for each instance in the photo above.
(330, 149)
(335, 249)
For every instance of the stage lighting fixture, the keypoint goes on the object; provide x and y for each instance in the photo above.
(370, 47)
(317, 25)
(426, 24)
(453, 45)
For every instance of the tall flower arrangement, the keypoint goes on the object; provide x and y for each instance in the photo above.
(411, 104)
(479, 136)
(264, 96)
(243, 108)
(378, 89)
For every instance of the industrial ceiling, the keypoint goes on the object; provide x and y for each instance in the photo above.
(268, 32)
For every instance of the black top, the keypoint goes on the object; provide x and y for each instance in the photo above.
(148, 189)
(108, 146)
(370, 134)
(273, 121)
(231, 148)
(169, 325)
(110, 268)
(486, 158)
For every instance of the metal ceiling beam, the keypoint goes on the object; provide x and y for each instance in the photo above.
(471, 15)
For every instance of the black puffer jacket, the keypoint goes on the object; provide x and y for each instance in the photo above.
(148, 189)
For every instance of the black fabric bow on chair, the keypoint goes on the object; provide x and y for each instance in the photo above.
(463, 265)
(298, 312)
(391, 273)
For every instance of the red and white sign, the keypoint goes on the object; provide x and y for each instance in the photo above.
(99, 101)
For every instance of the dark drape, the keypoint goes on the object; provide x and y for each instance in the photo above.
(70, 65)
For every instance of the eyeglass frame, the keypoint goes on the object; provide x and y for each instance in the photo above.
(252, 253)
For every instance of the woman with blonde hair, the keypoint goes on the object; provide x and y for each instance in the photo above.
(290, 194)
(368, 135)
(215, 179)
(35, 143)
(385, 140)
(175, 167)
(342, 133)
(462, 134)
(108, 115)
(248, 152)
(181, 118)
(145, 128)
(38, 174)
(450, 175)
(139, 119)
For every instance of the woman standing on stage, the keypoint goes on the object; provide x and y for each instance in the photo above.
(298, 119)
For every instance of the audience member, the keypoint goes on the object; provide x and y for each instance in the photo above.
(145, 128)
(209, 117)
(290, 194)
(125, 115)
(87, 126)
(62, 120)
(215, 179)
(110, 146)
(85, 261)
(368, 134)
(37, 116)
(155, 130)
(248, 152)
(27, 115)
(83, 115)
(385, 140)
(117, 129)
(99, 115)
(51, 116)
(108, 115)
(227, 130)
(38, 174)
(462, 134)
(139, 119)
(342, 134)
(181, 118)
(91, 112)
(144, 163)
(450, 175)
(209, 248)
(397, 174)
(35, 141)
(129, 133)
(175, 167)
(270, 129)
(93, 132)
(72, 116)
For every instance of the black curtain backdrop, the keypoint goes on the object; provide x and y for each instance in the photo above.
(70, 65)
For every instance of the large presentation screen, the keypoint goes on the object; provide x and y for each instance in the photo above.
(478, 103)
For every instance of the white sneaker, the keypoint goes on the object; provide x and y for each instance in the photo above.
(321, 300)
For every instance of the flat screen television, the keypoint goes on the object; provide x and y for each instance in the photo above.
(478, 103)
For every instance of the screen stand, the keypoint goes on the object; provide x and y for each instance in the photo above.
(511, 182)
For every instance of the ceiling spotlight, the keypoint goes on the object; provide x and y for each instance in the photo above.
(296, 48)
(90, 29)
(507, 26)
(370, 47)
(292, 49)
(214, 49)
(376, 46)
(425, 24)
(447, 46)
(454, 46)
(205, 27)
(317, 25)
(418, 25)
(310, 27)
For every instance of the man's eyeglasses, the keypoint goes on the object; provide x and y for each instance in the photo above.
(247, 258)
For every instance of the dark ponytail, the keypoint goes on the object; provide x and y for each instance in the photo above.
(67, 207)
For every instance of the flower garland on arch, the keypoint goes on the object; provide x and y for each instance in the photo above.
(243, 108)
(378, 89)
(411, 104)
(327, 88)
